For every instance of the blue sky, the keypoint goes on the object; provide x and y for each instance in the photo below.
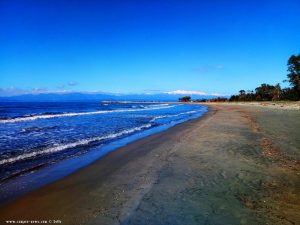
(145, 46)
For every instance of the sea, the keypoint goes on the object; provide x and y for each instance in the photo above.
(43, 141)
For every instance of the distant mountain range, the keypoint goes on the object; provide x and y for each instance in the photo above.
(77, 96)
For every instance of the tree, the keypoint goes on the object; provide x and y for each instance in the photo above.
(242, 92)
(234, 98)
(264, 92)
(242, 96)
(185, 99)
(276, 93)
(294, 74)
(288, 94)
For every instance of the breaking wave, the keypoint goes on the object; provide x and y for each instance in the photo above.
(72, 145)
(49, 116)
(167, 116)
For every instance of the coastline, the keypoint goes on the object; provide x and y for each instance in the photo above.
(224, 166)
(35, 177)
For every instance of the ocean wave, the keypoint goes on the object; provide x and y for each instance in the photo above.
(37, 129)
(155, 105)
(62, 147)
(49, 116)
(168, 116)
(51, 113)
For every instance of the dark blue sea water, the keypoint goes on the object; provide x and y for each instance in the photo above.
(33, 135)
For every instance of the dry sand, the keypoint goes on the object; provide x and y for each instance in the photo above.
(289, 105)
(237, 165)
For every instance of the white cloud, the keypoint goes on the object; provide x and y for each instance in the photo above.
(184, 92)
(13, 91)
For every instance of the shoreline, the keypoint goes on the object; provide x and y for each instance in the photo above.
(25, 182)
(222, 166)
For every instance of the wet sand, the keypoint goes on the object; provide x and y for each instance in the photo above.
(239, 164)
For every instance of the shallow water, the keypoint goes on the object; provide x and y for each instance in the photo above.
(67, 136)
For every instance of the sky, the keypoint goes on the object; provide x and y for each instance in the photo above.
(217, 46)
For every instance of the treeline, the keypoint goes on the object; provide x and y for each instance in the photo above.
(267, 92)
(185, 99)
(218, 99)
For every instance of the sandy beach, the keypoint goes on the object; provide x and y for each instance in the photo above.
(239, 164)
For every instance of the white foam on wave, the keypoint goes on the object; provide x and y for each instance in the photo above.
(35, 117)
(62, 147)
(167, 116)
(155, 105)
